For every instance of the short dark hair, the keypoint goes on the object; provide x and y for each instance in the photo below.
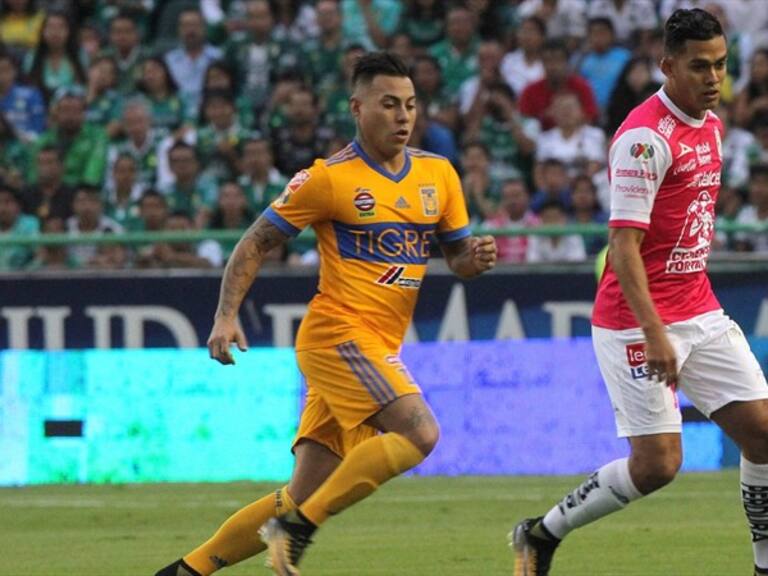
(556, 45)
(152, 193)
(758, 170)
(373, 64)
(684, 25)
(181, 145)
(602, 21)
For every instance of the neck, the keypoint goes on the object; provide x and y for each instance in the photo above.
(330, 37)
(392, 164)
(231, 220)
(87, 225)
(194, 51)
(259, 175)
(684, 107)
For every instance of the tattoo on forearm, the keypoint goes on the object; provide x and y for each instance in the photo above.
(245, 262)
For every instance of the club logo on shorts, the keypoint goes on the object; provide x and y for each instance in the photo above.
(429, 200)
(637, 361)
(365, 203)
(641, 150)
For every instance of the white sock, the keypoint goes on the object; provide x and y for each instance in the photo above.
(605, 491)
(754, 495)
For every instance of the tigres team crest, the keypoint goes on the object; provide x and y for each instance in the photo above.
(429, 200)
(296, 182)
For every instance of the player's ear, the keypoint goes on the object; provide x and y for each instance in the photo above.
(354, 106)
(666, 64)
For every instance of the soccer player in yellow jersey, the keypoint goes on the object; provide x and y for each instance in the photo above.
(375, 206)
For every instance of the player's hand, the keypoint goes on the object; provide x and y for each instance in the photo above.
(226, 331)
(661, 358)
(484, 252)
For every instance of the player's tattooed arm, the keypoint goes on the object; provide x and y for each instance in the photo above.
(470, 256)
(245, 263)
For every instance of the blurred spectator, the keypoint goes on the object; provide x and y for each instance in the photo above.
(552, 185)
(631, 18)
(513, 212)
(295, 21)
(433, 136)
(757, 151)
(489, 16)
(428, 82)
(220, 135)
(231, 213)
(126, 50)
(523, 66)
(189, 192)
(22, 106)
(753, 99)
(423, 22)
(88, 218)
(302, 139)
(153, 212)
(55, 63)
(189, 61)
(401, 45)
(474, 91)
(634, 86)
(49, 197)
(510, 137)
(14, 156)
(20, 24)
(138, 11)
(104, 103)
(337, 114)
(457, 53)
(52, 256)
(536, 99)
(111, 256)
(83, 146)
(260, 58)
(481, 190)
(260, 181)
(321, 57)
(90, 41)
(568, 248)
(205, 254)
(140, 140)
(167, 109)
(586, 209)
(566, 19)
(580, 147)
(13, 222)
(219, 76)
(604, 60)
(124, 192)
(728, 205)
(736, 145)
(370, 22)
(756, 212)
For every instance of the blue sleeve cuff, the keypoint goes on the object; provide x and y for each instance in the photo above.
(454, 235)
(282, 224)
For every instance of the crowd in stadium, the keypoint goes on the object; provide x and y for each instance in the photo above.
(150, 115)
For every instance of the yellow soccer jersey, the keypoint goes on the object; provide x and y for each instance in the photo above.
(373, 231)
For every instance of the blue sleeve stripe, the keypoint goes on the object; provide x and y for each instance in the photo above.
(283, 224)
(454, 235)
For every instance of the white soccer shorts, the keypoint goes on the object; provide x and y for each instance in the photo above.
(715, 365)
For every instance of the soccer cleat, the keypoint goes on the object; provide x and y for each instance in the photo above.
(760, 571)
(178, 568)
(286, 542)
(533, 555)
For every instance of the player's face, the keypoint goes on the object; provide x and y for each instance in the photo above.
(695, 75)
(385, 111)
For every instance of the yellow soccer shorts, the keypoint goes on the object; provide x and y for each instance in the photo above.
(347, 384)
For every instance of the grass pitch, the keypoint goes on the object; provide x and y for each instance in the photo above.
(424, 526)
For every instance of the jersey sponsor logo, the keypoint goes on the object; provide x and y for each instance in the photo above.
(631, 190)
(295, 183)
(637, 360)
(365, 203)
(689, 166)
(429, 200)
(667, 125)
(703, 153)
(684, 150)
(635, 173)
(394, 277)
(642, 150)
(390, 242)
(694, 243)
(705, 179)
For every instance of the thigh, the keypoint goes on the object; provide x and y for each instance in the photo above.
(723, 370)
(641, 406)
(747, 424)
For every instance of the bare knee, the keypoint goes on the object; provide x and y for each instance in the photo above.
(425, 437)
(411, 417)
(652, 473)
